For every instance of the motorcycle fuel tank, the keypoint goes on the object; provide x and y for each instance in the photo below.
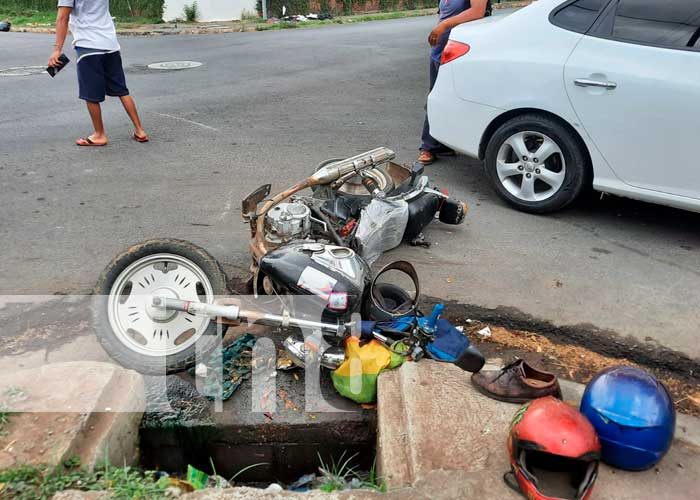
(337, 275)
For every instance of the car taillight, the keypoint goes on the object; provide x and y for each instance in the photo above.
(453, 50)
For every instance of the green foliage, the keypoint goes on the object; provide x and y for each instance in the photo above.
(191, 12)
(325, 7)
(336, 476)
(33, 482)
(118, 8)
(347, 6)
(386, 5)
(274, 7)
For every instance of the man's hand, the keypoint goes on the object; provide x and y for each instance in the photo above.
(437, 33)
(53, 60)
(476, 11)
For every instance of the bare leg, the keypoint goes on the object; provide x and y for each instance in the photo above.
(130, 108)
(95, 111)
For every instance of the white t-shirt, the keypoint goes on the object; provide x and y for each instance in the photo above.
(91, 24)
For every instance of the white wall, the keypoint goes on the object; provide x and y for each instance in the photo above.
(210, 10)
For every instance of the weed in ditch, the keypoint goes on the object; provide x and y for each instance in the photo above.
(339, 475)
(245, 469)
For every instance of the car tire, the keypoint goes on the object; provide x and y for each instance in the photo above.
(110, 340)
(560, 177)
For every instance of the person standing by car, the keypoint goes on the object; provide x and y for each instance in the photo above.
(452, 13)
(99, 62)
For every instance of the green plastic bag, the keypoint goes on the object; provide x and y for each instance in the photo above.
(196, 478)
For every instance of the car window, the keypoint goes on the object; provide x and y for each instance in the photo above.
(578, 15)
(671, 23)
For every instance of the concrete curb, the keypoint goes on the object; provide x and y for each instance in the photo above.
(435, 428)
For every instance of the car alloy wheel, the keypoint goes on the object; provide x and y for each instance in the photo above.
(531, 166)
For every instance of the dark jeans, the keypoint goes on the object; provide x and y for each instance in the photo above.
(429, 143)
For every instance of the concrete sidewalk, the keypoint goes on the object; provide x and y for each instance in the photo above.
(435, 428)
(63, 411)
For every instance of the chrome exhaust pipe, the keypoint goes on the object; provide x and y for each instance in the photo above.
(353, 165)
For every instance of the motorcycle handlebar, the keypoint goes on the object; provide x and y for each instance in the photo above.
(235, 313)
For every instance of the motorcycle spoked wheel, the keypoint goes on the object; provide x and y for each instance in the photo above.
(145, 339)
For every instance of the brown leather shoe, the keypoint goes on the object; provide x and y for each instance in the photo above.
(426, 157)
(517, 382)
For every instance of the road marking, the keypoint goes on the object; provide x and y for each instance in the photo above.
(227, 206)
(186, 121)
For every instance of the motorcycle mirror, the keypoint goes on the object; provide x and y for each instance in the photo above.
(395, 290)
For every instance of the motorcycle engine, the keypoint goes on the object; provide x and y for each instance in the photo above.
(288, 221)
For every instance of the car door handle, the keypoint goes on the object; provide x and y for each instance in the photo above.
(585, 82)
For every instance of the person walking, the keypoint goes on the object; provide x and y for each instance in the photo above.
(99, 62)
(452, 13)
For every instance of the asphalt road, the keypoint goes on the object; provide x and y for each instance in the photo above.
(268, 107)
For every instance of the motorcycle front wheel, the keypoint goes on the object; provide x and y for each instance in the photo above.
(142, 337)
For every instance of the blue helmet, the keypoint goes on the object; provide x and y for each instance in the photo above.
(633, 415)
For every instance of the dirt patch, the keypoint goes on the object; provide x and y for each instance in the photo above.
(571, 361)
(45, 325)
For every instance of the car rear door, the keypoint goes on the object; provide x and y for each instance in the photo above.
(634, 82)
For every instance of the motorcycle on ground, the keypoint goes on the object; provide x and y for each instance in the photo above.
(161, 302)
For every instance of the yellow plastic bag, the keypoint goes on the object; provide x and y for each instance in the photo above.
(356, 378)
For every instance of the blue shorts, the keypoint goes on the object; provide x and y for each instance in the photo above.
(100, 73)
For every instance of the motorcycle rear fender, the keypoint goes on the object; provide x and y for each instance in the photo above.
(250, 203)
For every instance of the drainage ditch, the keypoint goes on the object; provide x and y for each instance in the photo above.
(287, 443)
(291, 441)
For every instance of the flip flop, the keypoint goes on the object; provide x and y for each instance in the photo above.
(139, 139)
(85, 141)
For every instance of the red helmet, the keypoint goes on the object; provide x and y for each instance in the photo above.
(554, 452)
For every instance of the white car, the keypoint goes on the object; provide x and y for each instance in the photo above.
(564, 94)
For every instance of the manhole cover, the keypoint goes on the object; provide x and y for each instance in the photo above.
(175, 65)
(22, 71)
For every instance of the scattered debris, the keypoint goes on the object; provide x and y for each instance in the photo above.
(236, 362)
(288, 403)
(174, 487)
(284, 362)
(304, 483)
(484, 332)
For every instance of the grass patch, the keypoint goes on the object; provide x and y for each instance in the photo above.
(28, 17)
(381, 16)
(31, 482)
(20, 17)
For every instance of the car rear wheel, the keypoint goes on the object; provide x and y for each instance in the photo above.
(536, 164)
